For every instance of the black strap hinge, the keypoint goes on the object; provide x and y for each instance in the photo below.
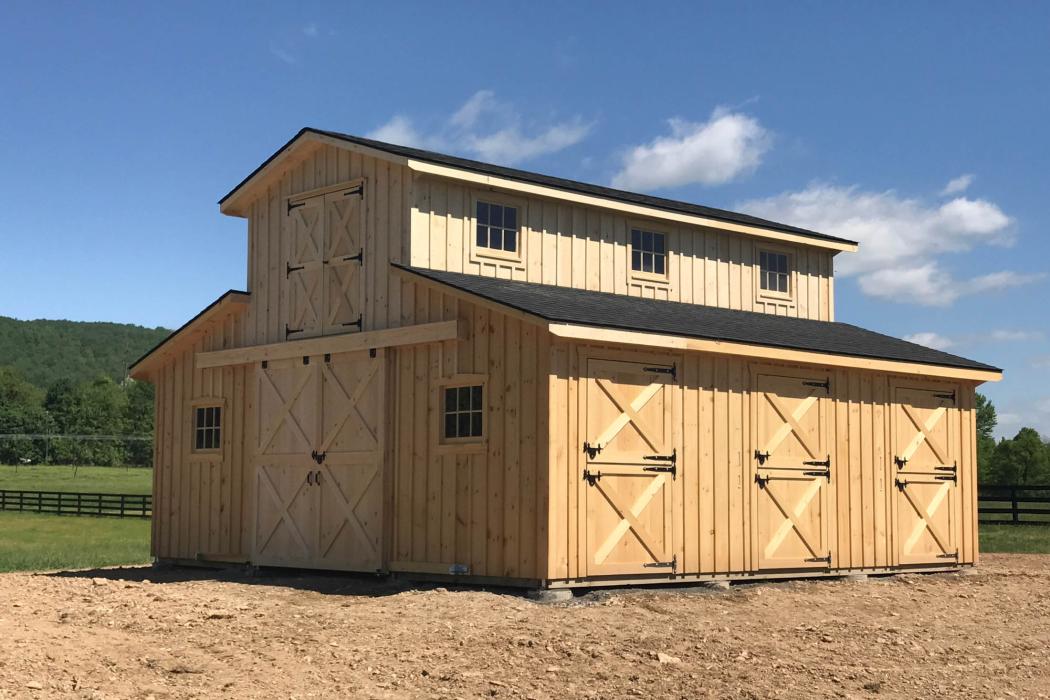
(819, 463)
(360, 189)
(359, 322)
(950, 397)
(672, 565)
(672, 370)
(825, 385)
(288, 331)
(288, 269)
(360, 257)
(295, 206)
(826, 560)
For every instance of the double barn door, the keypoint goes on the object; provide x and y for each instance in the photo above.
(318, 462)
(323, 270)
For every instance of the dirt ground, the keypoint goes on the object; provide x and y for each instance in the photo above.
(144, 633)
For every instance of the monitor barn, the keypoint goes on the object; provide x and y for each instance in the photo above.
(446, 368)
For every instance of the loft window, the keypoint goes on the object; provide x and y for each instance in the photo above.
(497, 227)
(774, 275)
(463, 412)
(207, 433)
(648, 252)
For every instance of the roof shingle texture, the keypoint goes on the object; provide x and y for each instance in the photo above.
(587, 308)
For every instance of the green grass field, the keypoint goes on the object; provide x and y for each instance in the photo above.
(31, 542)
(1021, 539)
(86, 479)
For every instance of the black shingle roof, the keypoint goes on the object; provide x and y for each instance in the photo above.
(550, 181)
(581, 307)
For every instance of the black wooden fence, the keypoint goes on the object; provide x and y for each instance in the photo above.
(119, 505)
(1013, 505)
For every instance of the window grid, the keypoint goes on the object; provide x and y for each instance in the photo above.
(648, 252)
(463, 412)
(497, 227)
(207, 428)
(774, 275)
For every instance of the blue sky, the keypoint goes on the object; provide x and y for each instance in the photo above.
(122, 124)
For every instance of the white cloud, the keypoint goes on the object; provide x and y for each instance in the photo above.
(283, 55)
(1041, 362)
(900, 239)
(1011, 336)
(958, 184)
(726, 146)
(311, 30)
(930, 340)
(486, 128)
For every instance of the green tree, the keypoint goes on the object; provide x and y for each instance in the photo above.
(986, 422)
(21, 413)
(138, 420)
(1022, 459)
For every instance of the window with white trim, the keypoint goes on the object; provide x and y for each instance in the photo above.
(774, 272)
(496, 227)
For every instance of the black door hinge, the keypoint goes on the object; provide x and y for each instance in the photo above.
(591, 477)
(761, 480)
(825, 385)
(360, 189)
(288, 269)
(901, 462)
(672, 469)
(288, 331)
(295, 206)
(591, 450)
(826, 560)
(672, 565)
(360, 257)
(359, 322)
(672, 370)
(761, 456)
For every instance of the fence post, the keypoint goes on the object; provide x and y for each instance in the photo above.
(1013, 505)
(78, 504)
(122, 505)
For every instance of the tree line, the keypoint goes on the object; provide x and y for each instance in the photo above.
(94, 407)
(1022, 459)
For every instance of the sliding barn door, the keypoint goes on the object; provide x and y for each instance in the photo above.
(792, 470)
(629, 465)
(351, 484)
(926, 475)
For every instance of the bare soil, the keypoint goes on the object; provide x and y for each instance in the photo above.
(141, 633)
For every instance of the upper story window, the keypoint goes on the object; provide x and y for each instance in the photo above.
(207, 428)
(497, 227)
(774, 273)
(648, 251)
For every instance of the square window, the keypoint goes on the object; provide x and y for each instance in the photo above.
(774, 272)
(648, 251)
(463, 412)
(497, 227)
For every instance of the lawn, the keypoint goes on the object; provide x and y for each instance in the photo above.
(84, 479)
(32, 542)
(1021, 539)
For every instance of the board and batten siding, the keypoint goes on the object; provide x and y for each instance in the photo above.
(479, 506)
(713, 531)
(387, 187)
(202, 501)
(587, 248)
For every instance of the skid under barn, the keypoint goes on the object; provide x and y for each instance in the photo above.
(451, 369)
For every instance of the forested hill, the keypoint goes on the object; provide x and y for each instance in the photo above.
(45, 351)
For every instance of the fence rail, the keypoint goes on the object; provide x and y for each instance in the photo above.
(117, 505)
(1013, 505)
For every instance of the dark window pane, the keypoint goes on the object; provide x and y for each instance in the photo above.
(510, 240)
(636, 259)
(647, 262)
(464, 399)
(510, 217)
(636, 238)
(782, 263)
(647, 241)
(658, 242)
(784, 283)
(496, 238)
(213, 439)
(199, 445)
(475, 398)
(763, 263)
(464, 424)
(495, 215)
(198, 418)
(450, 425)
(483, 236)
(450, 399)
(483, 213)
(658, 264)
(475, 424)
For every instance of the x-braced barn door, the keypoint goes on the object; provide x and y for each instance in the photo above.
(318, 461)
(323, 273)
(792, 472)
(926, 475)
(629, 464)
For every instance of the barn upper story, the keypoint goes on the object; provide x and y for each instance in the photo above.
(328, 213)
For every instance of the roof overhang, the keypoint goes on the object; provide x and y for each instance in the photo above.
(236, 203)
(232, 301)
(601, 334)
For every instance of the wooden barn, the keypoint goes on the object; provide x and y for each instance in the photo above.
(446, 368)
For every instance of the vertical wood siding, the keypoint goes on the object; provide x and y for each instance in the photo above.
(201, 501)
(713, 532)
(586, 248)
(480, 505)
